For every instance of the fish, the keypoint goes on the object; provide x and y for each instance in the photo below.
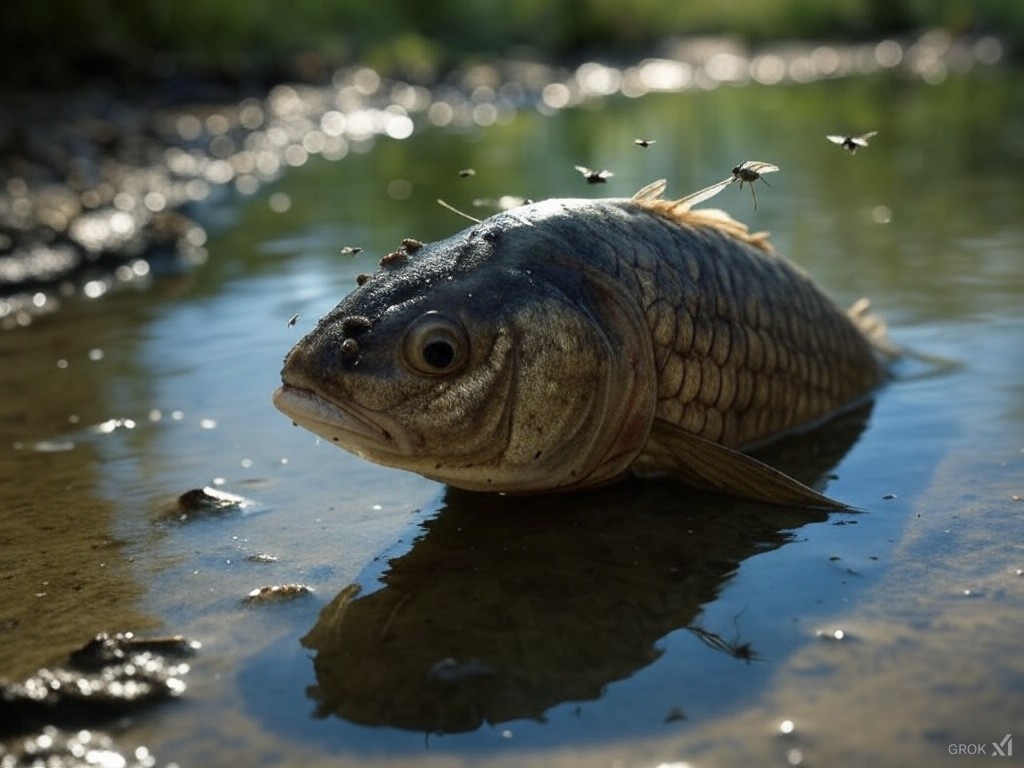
(566, 344)
(852, 143)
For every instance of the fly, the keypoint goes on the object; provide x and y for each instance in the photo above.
(852, 143)
(749, 171)
(645, 143)
(594, 177)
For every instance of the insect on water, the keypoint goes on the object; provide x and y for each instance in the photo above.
(852, 143)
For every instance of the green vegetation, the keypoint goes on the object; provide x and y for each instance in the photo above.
(58, 42)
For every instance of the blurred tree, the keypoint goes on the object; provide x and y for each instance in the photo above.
(62, 42)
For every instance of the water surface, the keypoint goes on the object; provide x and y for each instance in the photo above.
(634, 626)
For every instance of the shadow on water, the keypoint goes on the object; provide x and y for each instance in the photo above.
(506, 607)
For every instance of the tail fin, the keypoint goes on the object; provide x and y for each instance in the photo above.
(874, 328)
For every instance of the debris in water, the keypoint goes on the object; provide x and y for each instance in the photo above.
(261, 557)
(277, 593)
(675, 715)
(835, 634)
(207, 500)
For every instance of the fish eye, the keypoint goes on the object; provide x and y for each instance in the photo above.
(435, 344)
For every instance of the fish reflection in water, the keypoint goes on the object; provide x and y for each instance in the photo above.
(505, 607)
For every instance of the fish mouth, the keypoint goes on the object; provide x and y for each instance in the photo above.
(361, 431)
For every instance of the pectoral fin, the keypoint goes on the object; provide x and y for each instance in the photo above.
(704, 464)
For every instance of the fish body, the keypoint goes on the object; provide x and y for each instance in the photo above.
(566, 343)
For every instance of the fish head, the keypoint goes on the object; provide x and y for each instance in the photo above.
(493, 360)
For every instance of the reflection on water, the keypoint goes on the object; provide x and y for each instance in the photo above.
(65, 556)
(505, 607)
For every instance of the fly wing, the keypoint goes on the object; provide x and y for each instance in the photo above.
(705, 464)
(837, 139)
(759, 167)
(686, 203)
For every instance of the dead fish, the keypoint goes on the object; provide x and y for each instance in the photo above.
(852, 143)
(594, 177)
(750, 171)
(567, 343)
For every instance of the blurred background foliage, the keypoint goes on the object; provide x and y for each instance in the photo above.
(61, 43)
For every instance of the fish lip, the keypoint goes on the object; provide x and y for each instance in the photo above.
(357, 429)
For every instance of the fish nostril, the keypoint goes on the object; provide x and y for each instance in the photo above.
(349, 350)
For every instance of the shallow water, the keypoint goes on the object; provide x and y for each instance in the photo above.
(633, 626)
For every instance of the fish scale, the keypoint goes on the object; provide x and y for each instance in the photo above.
(743, 310)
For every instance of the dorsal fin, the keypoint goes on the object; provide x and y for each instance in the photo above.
(652, 191)
(874, 327)
(679, 212)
